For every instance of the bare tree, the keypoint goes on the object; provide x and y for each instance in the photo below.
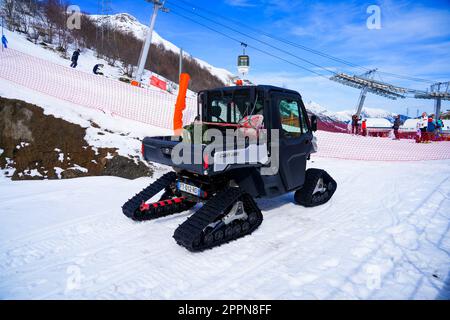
(9, 11)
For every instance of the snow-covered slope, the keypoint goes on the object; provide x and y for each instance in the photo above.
(129, 24)
(86, 62)
(377, 238)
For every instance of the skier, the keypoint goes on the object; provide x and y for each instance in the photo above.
(75, 56)
(355, 124)
(396, 127)
(97, 70)
(430, 128)
(423, 126)
(4, 42)
(439, 126)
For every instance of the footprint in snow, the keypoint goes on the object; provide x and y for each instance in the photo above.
(331, 263)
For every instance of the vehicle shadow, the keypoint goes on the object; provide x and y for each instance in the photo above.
(277, 202)
(444, 294)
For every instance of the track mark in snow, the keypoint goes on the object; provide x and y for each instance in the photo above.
(329, 251)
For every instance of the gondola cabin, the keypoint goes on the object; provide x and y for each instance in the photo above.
(243, 64)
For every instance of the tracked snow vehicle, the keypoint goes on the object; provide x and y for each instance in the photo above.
(261, 140)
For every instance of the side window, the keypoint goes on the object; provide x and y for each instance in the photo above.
(290, 119)
(304, 122)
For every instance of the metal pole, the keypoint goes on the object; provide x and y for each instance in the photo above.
(180, 71)
(2, 33)
(148, 41)
(437, 102)
(362, 98)
(437, 107)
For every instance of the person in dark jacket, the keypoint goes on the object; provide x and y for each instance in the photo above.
(396, 126)
(4, 42)
(75, 56)
(97, 69)
(430, 129)
(439, 126)
(355, 124)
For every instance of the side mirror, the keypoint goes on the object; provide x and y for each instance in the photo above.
(314, 123)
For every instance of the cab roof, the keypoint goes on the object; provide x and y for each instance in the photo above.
(266, 88)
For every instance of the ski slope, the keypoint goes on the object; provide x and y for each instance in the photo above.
(384, 235)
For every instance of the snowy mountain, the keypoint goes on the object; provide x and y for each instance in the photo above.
(129, 24)
(346, 115)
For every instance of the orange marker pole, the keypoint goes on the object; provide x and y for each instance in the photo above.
(180, 104)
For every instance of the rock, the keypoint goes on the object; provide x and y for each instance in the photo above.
(123, 167)
(32, 140)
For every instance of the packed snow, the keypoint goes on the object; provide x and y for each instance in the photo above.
(384, 235)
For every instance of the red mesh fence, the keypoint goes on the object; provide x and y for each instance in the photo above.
(157, 108)
(154, 107)
(347, 146)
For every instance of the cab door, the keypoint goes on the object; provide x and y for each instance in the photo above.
(295, 137)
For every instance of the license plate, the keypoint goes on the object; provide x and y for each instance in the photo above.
(188, 188)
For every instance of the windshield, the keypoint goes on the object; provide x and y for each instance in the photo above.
(232, 106)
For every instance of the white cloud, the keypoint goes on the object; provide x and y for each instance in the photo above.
(240, 3)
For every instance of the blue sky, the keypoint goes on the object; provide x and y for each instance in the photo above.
(414, 39)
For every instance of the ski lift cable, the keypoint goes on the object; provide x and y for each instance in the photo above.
(276, 38)
(258, 49)
(325, 55)
(249, 46)
(406, 77)
(258, 40)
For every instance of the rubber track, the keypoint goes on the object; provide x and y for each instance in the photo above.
(189, 233)
(305, 196)
(131, 207)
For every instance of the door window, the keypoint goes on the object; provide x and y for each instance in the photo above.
(290, 119)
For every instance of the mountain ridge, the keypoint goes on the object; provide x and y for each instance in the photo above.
(127, 23)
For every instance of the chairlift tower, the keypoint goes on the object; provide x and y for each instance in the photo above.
(363, 94)
(367, 84)
(438, 92)
(157, 5)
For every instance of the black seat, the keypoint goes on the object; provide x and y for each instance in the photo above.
(216, 111)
